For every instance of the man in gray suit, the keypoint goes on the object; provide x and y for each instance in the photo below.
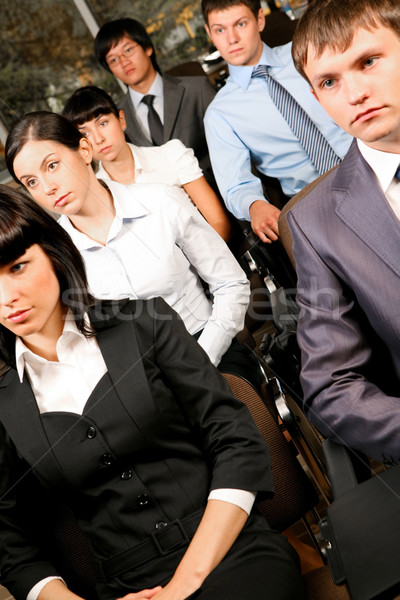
(157, 108)
(346, 228)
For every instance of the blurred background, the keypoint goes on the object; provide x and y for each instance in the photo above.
(47, 47)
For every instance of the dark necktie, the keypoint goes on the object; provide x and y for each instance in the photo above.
(397, 175)
(320, 152)
(154, 121)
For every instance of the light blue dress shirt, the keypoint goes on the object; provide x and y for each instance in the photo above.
(243, 125)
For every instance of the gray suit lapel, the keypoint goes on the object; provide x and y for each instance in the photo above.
(173, 94)
(364, 208)
(133, 128)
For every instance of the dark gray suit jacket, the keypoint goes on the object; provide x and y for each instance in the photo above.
(158, 432)
(185, 102)
(346, 244)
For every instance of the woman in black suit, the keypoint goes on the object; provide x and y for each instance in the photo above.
(116, 410)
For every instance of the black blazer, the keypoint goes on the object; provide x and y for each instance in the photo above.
(185, 102)
(160, 425)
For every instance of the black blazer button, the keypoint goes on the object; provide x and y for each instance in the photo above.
(161, 524)
(91, 433)
(106, 459)
(143, 499)
(126, 474)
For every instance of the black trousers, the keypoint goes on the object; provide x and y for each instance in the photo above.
(261, 565)
(262, 569)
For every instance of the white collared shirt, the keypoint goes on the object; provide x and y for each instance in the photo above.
(160, 245)
(172, 163)
(66, 384)
(141, 110)
(384, 165)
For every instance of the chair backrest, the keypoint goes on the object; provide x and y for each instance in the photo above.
(284, 231)
(190, 68)
(294, 494)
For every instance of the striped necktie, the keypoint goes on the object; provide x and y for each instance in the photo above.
(320, 152)
(155, 126)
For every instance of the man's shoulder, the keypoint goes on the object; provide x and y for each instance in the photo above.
(189, 82)
(321, 192)
(124, 101)
(314, 199)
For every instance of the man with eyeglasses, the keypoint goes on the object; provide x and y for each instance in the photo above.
(157, 107)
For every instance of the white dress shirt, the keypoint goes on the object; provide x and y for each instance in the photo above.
(384, 165)
(160, 245)
(141, 110)
(66, 384)
(172, 163)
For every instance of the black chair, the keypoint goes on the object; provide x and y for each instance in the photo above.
(295, 495)
(190, 68)
(279, 29)
(361, 527)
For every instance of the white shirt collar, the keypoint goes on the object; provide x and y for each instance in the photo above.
(383, 164)
(101, 173)
(127, 206)
(136, 157)
(156, 89)
(24, 355)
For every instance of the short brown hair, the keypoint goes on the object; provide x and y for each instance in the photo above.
(208, 6)
(332, 23)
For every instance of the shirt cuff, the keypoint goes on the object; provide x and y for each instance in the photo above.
(241, 498)
(35, 591)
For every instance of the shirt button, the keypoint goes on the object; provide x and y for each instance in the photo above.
(106, 459)
(126, 474)
(143, 499)
(91, 433)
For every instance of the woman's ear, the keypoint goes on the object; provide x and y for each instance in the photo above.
(86, 150)
(122, 120)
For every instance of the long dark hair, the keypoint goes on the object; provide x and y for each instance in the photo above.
(40, 125)
(22, 224)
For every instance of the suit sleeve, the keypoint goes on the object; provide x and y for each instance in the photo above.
(22, 562)
(235, 450)
(231, 163)
(341, 358)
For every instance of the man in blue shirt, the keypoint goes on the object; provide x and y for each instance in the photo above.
(243, 125)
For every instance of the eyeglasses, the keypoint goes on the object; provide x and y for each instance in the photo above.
(114, 60)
